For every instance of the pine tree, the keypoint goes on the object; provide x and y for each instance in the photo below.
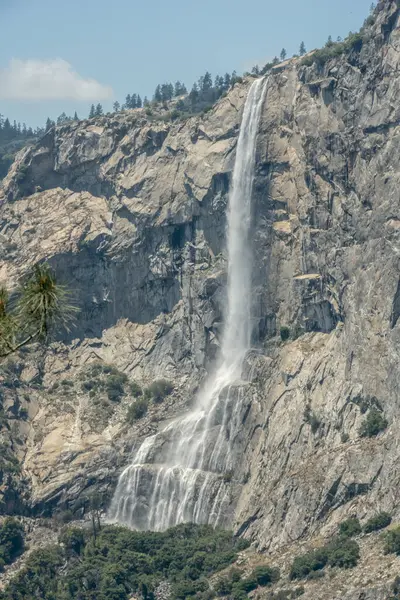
(157, 94)
(302, 50)
(194, 94)
(62, 119)
(180, 89)
(283, 54)
(255, 70)
(329, 42)
(76, 118)
(133, 101)
(92, 112)
(139, 102)
(227, 81)
(207, 82)
(146, 101)
(167, 92)
(99, 110)
(41, 303)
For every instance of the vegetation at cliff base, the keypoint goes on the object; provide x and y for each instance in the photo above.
(11, 541)
(379, 521)
(118, 563)
(350, 527)
(342, 552)
(237, 587)
(392, 541)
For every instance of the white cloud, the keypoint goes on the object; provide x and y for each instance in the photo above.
(53, 79)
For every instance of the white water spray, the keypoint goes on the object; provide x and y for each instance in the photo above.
(179, 474)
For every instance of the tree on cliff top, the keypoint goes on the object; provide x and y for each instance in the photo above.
(39, 305)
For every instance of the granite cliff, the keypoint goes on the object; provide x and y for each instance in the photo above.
(130, 211)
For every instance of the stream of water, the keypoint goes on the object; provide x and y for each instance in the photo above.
(180, 474)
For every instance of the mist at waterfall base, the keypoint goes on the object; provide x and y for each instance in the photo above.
(179, 474)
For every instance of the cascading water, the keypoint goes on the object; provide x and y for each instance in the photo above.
(179, 474)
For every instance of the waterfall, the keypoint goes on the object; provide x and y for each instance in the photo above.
(180, 474)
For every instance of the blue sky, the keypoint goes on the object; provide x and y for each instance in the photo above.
(128, 46)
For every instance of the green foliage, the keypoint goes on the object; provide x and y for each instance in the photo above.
(266, 575)
(11, 541)
(350, 527)
(341, 552)
(137, 410)
(353, 42)
(67, 383)
(392, 541)
(115, 386)
(395, 589)
(377, 522)
(135, 390)
(21, 173)
(120, 563)
(233, 584)
(285, 333)
(305, 564)
(41, 305)
(159, 390)
(311, 418)
(73, 540)
(373, 424)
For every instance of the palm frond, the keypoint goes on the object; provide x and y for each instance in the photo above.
(43, 303)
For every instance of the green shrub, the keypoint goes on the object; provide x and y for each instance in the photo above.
(379, 521)
(67, 383)
(159, 390)
(350, 527)
(395, 589)
(87, 386)
(373, 424)
(115, 386)
(137, 410)
(11, 540)
(285, 333)
(307, 563)
(223, 586)
(22, 173)
(135, 390)
(266, 575)
(343, 553)
(247, 585)
(392, 541)
(73, 540)
(311, 418)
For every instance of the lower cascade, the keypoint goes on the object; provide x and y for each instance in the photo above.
(177, 475)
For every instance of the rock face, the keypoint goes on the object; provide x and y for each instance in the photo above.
(131, 213)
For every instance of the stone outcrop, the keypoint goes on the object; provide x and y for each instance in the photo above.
(130, 211)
